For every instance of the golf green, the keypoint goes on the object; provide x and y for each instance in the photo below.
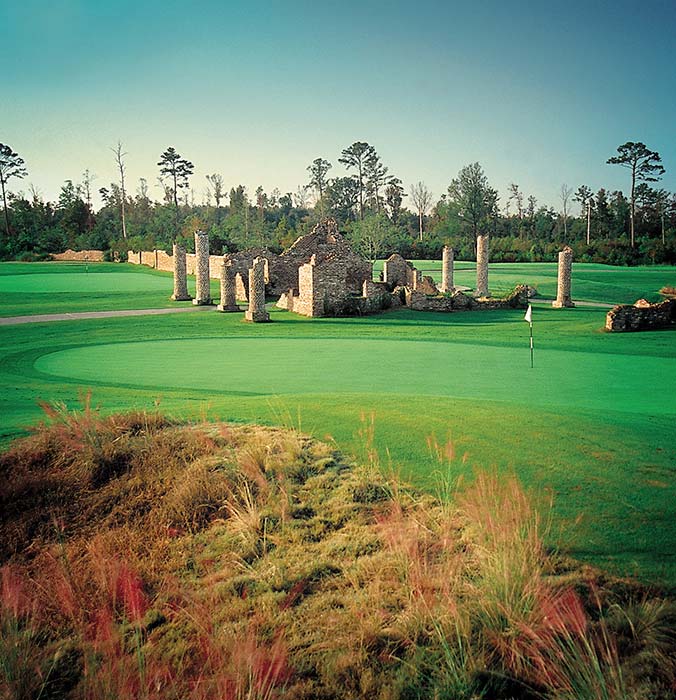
(81, 282)
(277, 366)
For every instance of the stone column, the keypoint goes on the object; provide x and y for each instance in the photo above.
(482, 266)
(563, 297)
(447, 269)
(256, 311)
(180, 274)
(202, 284)
(228, 301)
(416, 278)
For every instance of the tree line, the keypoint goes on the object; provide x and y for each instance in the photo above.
(372, 206)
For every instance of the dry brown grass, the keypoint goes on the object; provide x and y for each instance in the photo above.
(151, 560)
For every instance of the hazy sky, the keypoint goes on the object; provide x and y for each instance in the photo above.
(256, 91)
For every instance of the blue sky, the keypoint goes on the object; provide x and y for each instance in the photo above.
(255, 91)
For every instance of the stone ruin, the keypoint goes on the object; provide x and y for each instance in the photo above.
(228, 297)
(641, 316)
(180, 274)
(563, 297)
(482, 266)
(256, 311)
(202, 278)
(447, 258)
(320, 275)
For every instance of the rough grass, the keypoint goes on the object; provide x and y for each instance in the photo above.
(221, 561)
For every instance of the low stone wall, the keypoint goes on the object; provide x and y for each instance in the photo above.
(641, 316)
(79, 255)
(458, 301)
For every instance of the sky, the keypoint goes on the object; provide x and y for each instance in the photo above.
(541, 94)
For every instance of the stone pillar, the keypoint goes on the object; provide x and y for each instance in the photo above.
(256, 311)
(563, 297)
(228, 301)
(416, 278)
(202, 284)
(180, 274)
(447, 269)
(482, 266)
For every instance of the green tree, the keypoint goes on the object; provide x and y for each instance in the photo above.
(376, 178)
(645, 166)
(477, 201)
(342, 196)
(394, 197)
(585, 197)
(371, 235)
(355, 156)
(318, 170)
(11, 165)
(178, 170)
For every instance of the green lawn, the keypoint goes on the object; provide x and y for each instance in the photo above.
(55, 287)
(591, 282)
(593, 422)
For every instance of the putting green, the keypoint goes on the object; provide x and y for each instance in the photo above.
(82, 282)
(277, 366)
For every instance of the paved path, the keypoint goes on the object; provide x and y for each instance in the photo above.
(38, 318)
(42, 318)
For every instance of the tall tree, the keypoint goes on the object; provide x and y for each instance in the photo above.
(516, 195)
(585, 197)
(394, 196)
(342, 195)
(119, 160)
(422, 200)
(11, 165)
(645, 166)
(216, 186)
(376, 177)
(355, 156)
(564, 194)
(178, 170)
(318, 180)
(476, 199)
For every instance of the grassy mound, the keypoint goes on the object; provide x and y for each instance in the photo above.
(146, 559)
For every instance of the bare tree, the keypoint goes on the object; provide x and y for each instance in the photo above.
(516, 195)
(300, 197)
(564, 195)
(119, 159)
(422, 200)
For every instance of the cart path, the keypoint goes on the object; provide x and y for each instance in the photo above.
(39, 318)
(43, 318)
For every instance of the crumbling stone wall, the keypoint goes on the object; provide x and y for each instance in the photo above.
(398, 272)
(79, 255)
(458, 301)
(641, 316)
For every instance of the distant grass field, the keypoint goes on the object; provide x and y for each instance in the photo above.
(594, 421)
(51, 287)
(46, 288)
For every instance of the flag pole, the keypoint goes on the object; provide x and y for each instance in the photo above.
(529, 317)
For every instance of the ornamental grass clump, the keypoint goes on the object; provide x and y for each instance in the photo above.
(223, 561)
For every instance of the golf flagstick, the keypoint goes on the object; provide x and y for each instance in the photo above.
(529, 317)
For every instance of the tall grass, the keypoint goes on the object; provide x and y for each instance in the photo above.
(254, 563)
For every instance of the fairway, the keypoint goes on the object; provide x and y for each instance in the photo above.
(400, 367)
(80, 282)
(592, 423)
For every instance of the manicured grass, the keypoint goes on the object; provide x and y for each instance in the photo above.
(591, 282)
(56, 287)
(593, 421)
